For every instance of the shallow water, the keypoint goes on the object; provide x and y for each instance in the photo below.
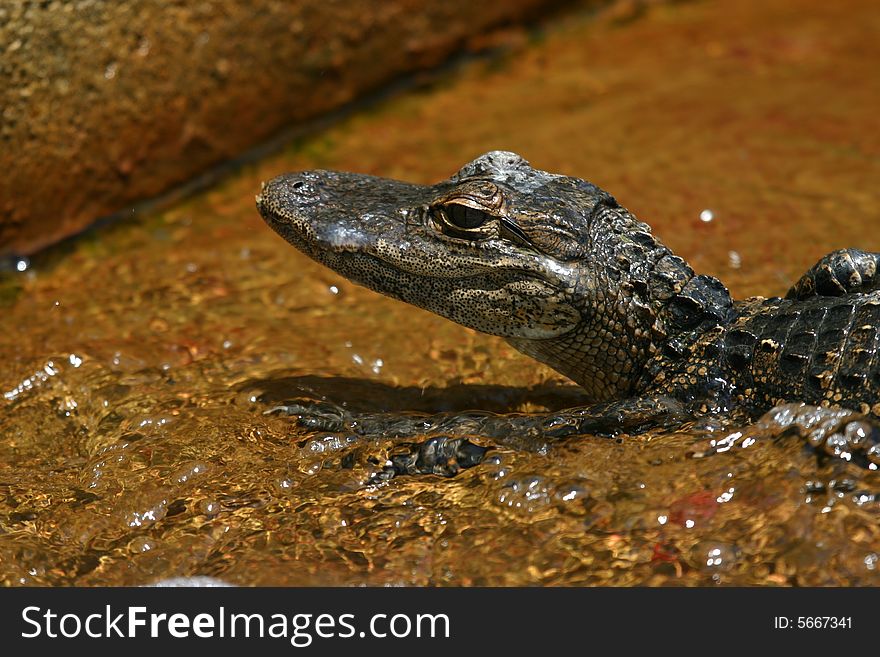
(136, 363)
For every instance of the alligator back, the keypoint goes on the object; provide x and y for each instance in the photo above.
(821, 350)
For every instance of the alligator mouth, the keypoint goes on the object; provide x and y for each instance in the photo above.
(294, 230)
(348, 250)
(316, 239)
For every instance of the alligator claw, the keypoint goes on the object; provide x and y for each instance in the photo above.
(319, 416)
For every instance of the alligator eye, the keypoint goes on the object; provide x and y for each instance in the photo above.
(465, 217)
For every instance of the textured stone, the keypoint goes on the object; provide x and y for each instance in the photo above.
(106, 103)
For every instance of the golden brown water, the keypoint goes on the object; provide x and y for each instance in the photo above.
(137, 363)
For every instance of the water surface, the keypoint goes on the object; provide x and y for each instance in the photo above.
(136, 363)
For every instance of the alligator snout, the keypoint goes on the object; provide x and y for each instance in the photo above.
(288, 195)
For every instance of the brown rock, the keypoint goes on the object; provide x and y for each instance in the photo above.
(106, 103)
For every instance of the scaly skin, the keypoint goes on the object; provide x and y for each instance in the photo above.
(557, 267)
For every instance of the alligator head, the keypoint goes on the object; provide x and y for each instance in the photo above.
(550, 262)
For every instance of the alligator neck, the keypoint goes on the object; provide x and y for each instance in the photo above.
(643, 300)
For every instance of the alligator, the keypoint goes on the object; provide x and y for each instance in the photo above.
(557, 267)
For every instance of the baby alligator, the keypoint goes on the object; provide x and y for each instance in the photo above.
(558, 268)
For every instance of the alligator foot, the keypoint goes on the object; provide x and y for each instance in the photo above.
(633, 416)
(439, 455)
(316, 416)
(830, 433)
(326, 416)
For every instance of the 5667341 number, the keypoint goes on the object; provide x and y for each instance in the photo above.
(813, 622)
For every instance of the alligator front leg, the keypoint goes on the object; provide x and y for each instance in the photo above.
(440, 445)
(839, 273)
(632, 415)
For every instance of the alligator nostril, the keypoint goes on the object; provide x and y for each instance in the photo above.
(298, 184)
